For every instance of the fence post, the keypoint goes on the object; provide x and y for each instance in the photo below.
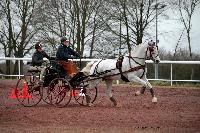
(171, 74)
(156, 71)
(19, 68)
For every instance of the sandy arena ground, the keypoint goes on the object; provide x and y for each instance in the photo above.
(177, 111)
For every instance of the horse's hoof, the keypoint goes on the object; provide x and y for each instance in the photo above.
(113, 100)
(118, 106)
(137, 93)
(154, 100)
(115, 104)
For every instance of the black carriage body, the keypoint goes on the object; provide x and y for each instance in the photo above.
(50, 75)
(55, 70)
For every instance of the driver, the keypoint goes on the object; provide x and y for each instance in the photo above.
(63, 55)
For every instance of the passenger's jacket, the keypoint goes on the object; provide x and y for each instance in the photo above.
(64, 53)
(37, 58)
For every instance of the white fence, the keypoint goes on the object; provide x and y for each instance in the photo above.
(171, 80)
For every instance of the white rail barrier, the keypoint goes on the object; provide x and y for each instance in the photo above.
(171, 80)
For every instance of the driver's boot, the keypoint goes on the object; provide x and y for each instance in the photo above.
(76, 79)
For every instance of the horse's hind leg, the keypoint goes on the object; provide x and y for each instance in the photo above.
(109, 93)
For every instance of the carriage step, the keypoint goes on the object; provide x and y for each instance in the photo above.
(84, 86)
(34, 71)
(80, 87)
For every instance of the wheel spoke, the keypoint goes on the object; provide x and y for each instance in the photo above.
(82, 100)
(57, 92)
(23, 95)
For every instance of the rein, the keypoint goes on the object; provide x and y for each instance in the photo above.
(98, 75)
(133, 58)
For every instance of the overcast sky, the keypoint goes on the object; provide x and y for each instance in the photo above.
(172, 29)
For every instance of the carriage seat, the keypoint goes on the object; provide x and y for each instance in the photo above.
(34, 71)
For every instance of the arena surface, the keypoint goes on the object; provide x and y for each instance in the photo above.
(177, 111)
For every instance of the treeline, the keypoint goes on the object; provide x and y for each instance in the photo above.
(95, 28)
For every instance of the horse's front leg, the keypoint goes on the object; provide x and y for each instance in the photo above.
(144, 87)
(154, 100)
(145, 84)
(109, 93)
(141, 91)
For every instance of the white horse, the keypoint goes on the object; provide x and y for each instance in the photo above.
(133, 68)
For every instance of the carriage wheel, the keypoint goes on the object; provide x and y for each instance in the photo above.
(59, 92)
(81, 94)
(25, 93)
(45, 98)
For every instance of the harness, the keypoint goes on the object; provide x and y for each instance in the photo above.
(96, 73)
(119, 66)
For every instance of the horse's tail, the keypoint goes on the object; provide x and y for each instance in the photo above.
(86, 69)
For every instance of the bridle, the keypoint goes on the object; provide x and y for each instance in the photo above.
(149, 49)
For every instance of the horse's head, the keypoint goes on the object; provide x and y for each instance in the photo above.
(152, 52)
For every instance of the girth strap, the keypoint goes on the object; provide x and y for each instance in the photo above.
(119, 66)
(119, 62)
(136, 68)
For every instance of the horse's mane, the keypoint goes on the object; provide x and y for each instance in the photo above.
(139, 46)
(136, 47)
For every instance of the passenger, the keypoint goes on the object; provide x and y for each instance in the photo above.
(38, 63)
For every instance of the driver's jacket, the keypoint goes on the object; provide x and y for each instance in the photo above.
(37, 58)
(64, 53)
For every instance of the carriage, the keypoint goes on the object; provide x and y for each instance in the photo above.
(58, 90)
(55, 89)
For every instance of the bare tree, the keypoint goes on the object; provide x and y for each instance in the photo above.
(187, 9)
(76, 19)
(85, 13)
(17, 30)
(6, 38)
(136, 16)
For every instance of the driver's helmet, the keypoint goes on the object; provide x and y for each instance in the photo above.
(63, 39)
(38, 45)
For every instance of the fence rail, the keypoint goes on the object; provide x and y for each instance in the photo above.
(156, 67)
